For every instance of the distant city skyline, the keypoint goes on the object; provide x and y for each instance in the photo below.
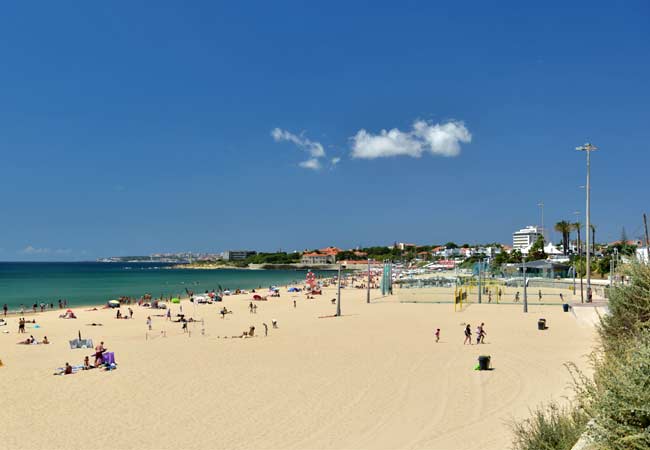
(290, 125)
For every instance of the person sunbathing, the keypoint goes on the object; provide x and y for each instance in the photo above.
(45, 341)
(28, 341)
(87, 365)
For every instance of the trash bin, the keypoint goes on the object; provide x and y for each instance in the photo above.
(565, 307)
(541, 324)
(483, 362)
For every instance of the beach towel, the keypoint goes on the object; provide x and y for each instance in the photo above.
(109, 358)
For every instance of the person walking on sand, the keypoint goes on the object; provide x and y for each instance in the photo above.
(480, 339)
(130, 313)
(468, 335)
(169, 314)
(499, 293)
(294, 303)
(437, 333)
(4, 309)
(517, 297)
(266, 329)
(149, 322)
(540, 295)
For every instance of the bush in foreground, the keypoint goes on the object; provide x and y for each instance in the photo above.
(629, 309)
(550, 427)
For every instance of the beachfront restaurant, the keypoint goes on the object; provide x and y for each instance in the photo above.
(542, 268)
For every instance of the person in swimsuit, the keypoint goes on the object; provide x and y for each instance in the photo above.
(437, 333)
(468, 335)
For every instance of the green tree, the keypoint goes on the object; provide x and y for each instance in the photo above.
(537, 250)
(451, 245)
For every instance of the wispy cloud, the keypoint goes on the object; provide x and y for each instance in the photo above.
(438, 139)
(31, 250)
(315, 149)
(335, 160)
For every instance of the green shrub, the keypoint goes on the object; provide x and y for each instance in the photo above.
(550, 427)
(618, 398)
(629, 307)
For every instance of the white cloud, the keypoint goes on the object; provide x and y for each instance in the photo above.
(312, 163)
(31, 250)
(335, 161)
(438, 139)
(315, 149)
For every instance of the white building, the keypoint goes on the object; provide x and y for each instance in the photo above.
(525, 237)
(642, 255)
(237, 255)
(318, 258)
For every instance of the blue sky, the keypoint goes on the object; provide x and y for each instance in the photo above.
(133, 128)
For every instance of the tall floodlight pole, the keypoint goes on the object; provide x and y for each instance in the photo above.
(588, 148)
(523, 269)
(338, 295)
(368, 290)
(541, 207)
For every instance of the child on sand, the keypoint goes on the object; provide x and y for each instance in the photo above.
(149, 322)
(468, 335)
(437, 334)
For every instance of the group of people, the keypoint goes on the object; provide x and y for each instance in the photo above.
(31, 340)
(99, 360)
(480, 334)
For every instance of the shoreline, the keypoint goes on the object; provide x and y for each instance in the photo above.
(182, 297)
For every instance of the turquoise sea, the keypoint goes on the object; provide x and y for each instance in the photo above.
(86, 283)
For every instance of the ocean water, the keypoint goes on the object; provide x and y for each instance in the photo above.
(95, 283)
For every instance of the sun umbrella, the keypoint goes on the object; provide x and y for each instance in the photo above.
(176, 300)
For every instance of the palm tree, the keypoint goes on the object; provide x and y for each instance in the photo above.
(564, 228)
(593, 238)
(577, 226)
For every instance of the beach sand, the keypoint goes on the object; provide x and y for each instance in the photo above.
(372, 379)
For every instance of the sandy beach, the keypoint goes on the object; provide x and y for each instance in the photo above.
(372, 379)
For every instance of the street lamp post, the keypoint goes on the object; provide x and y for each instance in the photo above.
(582, 297)
(523, 267)
(480, 287)
(588, 148)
